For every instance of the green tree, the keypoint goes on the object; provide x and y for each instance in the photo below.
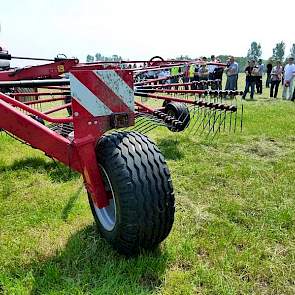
(98, 57)
(183, 57)
(255, 51)
(279, 51)
(223, 58)
(292, 50)
(89, 58)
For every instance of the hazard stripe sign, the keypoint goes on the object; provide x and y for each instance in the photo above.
(102, 92)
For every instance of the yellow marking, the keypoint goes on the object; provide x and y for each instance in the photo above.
(61, 69)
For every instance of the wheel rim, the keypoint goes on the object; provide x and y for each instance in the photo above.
(107, 215)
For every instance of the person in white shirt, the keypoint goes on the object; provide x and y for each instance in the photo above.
(275, 79)
(211, 68)
(289, 74)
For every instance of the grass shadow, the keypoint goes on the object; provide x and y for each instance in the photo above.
(169, 148)
(56, 171)
(88, 264)
(72, 200)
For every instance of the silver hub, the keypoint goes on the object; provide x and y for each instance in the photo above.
(107, 215)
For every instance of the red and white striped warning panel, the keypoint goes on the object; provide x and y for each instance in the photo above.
(102, 92)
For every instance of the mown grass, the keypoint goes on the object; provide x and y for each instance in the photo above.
(234, 231)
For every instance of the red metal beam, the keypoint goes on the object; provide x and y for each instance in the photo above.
(17, 94)
(56, 109)
(44, 100)
(26, 108)
(38, 135)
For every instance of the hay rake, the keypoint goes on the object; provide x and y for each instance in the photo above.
(66, 109)
(191, 107)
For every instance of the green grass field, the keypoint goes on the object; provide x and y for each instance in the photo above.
(234, 231)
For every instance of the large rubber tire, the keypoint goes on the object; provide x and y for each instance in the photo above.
(141, 210)
(180, 112)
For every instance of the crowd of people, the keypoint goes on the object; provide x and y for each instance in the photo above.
(276, 73)
(190, 72)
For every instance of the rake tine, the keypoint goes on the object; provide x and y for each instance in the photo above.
(202, 121)
(213, 124)
(200, 111)
(220, 123)
(215, 121)
(196, 110)
(224, 121)
(231, 113)
(143, 127)
(200, 115)
(138, 123)
(208, 123)
(148, 129)
(235, 126)
(242, 114)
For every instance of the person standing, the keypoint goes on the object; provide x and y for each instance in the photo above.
(250, 79)
(174, 74)
(268, 73)
(186, 76)
(289, 73)
(259, 76)
(218, 72)
(192, 69)
(276, 76)
(203, 76)
(211, 68)
(231, 71)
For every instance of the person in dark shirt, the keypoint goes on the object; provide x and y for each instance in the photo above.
(251, 72)
(268, 72)
(218, 72)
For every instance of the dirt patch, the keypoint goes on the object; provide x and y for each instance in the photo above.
(264, 148)
(150, 281)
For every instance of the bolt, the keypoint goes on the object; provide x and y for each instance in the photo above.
(76, 114)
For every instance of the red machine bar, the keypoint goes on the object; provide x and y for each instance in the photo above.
(147, 87)
(157, 79)
(144, 106)
(165, 97)
(57, 108)
(26, 108)
(43, 100)
(38, 135)
(196, 91)
(55, 87)
(17, 94)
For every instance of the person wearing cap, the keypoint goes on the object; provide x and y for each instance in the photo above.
(289, 74)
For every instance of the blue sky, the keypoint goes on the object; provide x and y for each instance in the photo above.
(141, 29)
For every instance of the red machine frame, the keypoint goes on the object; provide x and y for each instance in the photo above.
(79, 153)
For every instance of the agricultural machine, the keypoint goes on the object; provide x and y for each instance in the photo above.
(70, 111)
